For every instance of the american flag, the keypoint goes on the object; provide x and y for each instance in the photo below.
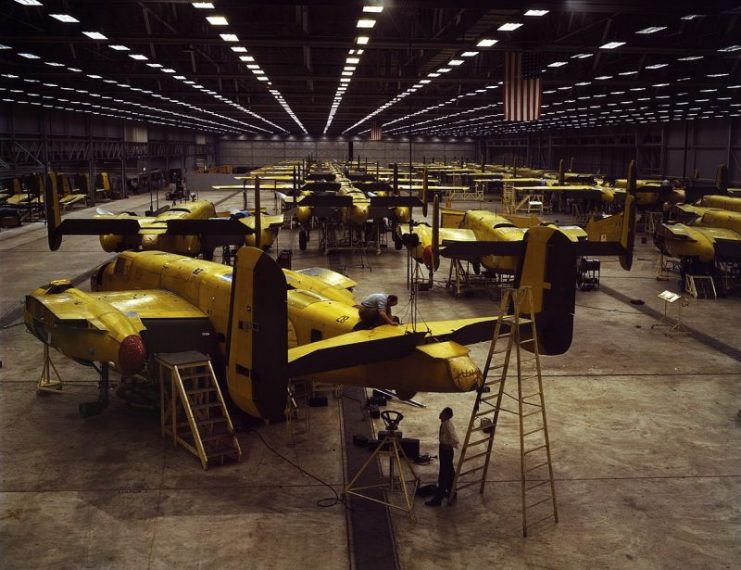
(523, 89)
(376, 132)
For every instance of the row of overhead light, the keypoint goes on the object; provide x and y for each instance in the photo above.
(617, 112)
(98, 36)
(10, 95)
(618, 109)
(353, 60)
(455, 62)
(179, 118)
(608, 45)
(249, 60)
(241, 124)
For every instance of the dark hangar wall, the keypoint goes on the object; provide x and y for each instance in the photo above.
(659, 149)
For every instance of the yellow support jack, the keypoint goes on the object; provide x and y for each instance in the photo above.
(47, 383)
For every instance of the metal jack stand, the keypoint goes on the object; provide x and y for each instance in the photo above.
(398, 461)
(47, 383)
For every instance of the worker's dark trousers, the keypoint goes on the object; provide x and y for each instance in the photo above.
(447, 472)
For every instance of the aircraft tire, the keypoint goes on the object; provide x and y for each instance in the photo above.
(398, 243)
(302, 240)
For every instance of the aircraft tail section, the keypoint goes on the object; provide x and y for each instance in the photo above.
(53, 214)
(549, 267)
(257, 337)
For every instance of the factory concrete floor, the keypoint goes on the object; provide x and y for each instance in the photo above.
(644, 426)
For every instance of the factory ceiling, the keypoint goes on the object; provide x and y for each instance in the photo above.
(340, 67)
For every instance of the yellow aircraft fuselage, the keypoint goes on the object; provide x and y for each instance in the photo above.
(316, 311)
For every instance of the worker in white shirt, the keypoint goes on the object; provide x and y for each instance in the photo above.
(448, 443)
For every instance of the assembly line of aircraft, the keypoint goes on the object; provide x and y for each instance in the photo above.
(262, 325)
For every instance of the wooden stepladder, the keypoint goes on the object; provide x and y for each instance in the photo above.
(513, 353)
(193, 410)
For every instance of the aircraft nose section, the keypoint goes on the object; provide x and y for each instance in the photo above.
(131, 354)
(464, 373)
(428, 257)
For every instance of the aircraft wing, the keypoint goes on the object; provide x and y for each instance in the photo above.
(358, 347)
(332, 278)
(275, 220)
(677, 231)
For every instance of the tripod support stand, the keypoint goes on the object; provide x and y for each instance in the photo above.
(398, 467)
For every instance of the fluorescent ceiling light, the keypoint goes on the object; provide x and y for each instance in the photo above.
(95, 35)
(246, 58)
(581, 55)
(154, 65)
(730, 48)
(118, 47)
(229, 37)
(557, 64)
(373, 9)
(362, 40)
(168, 70)
(455, 62)
(692, 17)
(717, 74)
(138, 56)
(217, 20)
(366, 23)
(54, 64)
(93, 76)
(656, 66)
(443, 70)
(239, 49)
(486, 42)
(29, 55)
(66, 18)
(627, 73)
(203, 5)
(509, 27)
(690, 58)
(353, 60)
(651, 30)
(75, 69)
(29, 2)
(603, 77)
(3, 46)
(611, 45)
(536, 12)
(469, 53)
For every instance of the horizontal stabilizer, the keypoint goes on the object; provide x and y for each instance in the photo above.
(596, 248)
(728, 249)
(321, 186)
(211, 227)
(317, 201)
(395, 202)
(479, 249)
(98, 226)
(465, 331)
(373, 186)
(352, 349)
